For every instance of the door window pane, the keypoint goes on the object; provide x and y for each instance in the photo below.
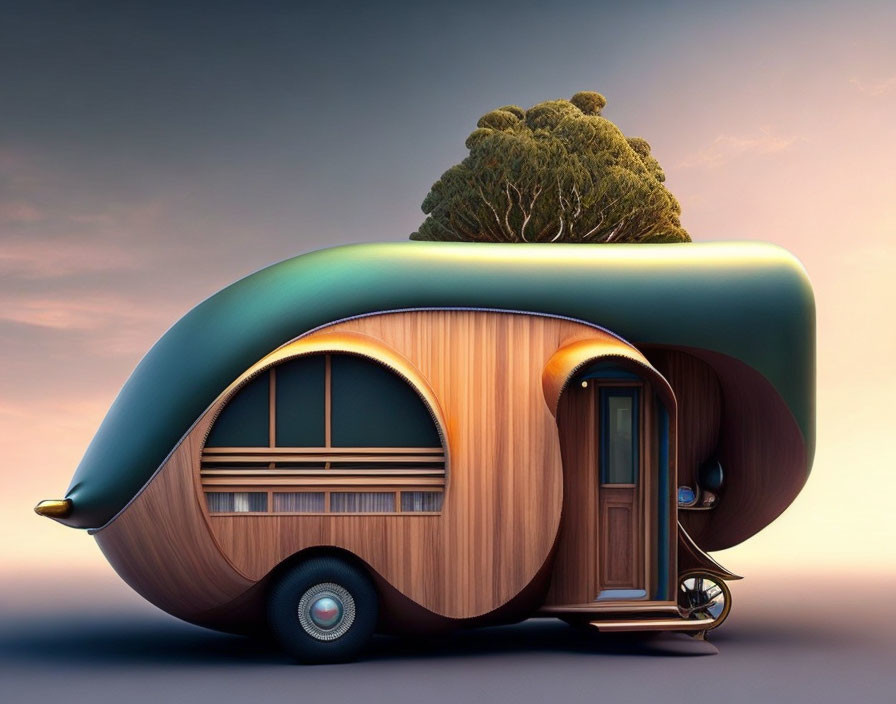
(619, 436)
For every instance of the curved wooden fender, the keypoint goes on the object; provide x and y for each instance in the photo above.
(691, 557)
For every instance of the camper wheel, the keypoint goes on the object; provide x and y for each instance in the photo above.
(704, 596)
(323, 610)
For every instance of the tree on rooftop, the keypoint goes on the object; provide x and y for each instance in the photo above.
(557, 172)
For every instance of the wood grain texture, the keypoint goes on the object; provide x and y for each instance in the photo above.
(757, 441)
(692, 559)
(570, 357)
(575, 574)
(481, 373)
(161, 546)
(621, 541)
(762, 452)
(699, 399)
(502, 506)
(590, 554)
(594, 548)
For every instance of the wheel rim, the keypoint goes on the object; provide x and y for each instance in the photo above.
(326, 611)
(702, 596)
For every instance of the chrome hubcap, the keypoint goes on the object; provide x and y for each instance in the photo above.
(326, 611)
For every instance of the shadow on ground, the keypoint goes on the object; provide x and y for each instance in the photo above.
(68, 640)
(106, 651)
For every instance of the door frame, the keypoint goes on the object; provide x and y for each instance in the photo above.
(575, 581)
(618, 496)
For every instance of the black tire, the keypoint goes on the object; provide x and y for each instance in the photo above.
(292, 623)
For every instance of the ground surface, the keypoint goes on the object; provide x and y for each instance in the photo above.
(67, 642)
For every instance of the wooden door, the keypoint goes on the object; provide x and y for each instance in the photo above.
(620, 475)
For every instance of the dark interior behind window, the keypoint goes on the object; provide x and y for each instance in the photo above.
(374, 407)
(619, 436)
(244, 420)
(300, 402)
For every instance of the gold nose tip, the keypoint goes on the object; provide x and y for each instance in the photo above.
(54, 508)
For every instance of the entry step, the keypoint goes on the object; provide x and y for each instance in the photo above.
(617, 625)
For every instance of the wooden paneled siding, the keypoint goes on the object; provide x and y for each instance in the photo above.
(481, 375)
(501, 511)
(161, 546)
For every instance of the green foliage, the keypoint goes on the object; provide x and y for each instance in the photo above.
(589, 102)
(557, 172)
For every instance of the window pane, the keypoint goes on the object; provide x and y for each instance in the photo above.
(300, 402)
(421, 501)
(374, 407)
(220, 502)
(250, 502)
(237, 502)
(362, 502)
(244, 420)
(619, 429)
(299, 502)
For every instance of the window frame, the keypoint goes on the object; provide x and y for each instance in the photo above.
(632, 391)
(402, 469)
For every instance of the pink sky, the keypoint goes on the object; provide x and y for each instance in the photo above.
(778, 130)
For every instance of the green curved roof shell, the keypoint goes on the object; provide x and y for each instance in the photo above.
(750, 301)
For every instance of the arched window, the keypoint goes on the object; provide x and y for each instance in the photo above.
(324, 433)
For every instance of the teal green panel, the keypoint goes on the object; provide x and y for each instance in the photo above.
(244, 421)
(300, 402)
(604, 370)
(750, 301)
(374, 407)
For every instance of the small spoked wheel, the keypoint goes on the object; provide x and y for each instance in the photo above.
(323, 610)
(705, 598)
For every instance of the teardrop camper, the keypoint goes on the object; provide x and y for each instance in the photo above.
(419, 436)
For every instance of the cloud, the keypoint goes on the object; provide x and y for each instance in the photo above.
(65, 412)
(51, 258)
(875, 88)
(86, 312)
(19, 212)
(725, 148)
(43, 326)
(51, 227)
